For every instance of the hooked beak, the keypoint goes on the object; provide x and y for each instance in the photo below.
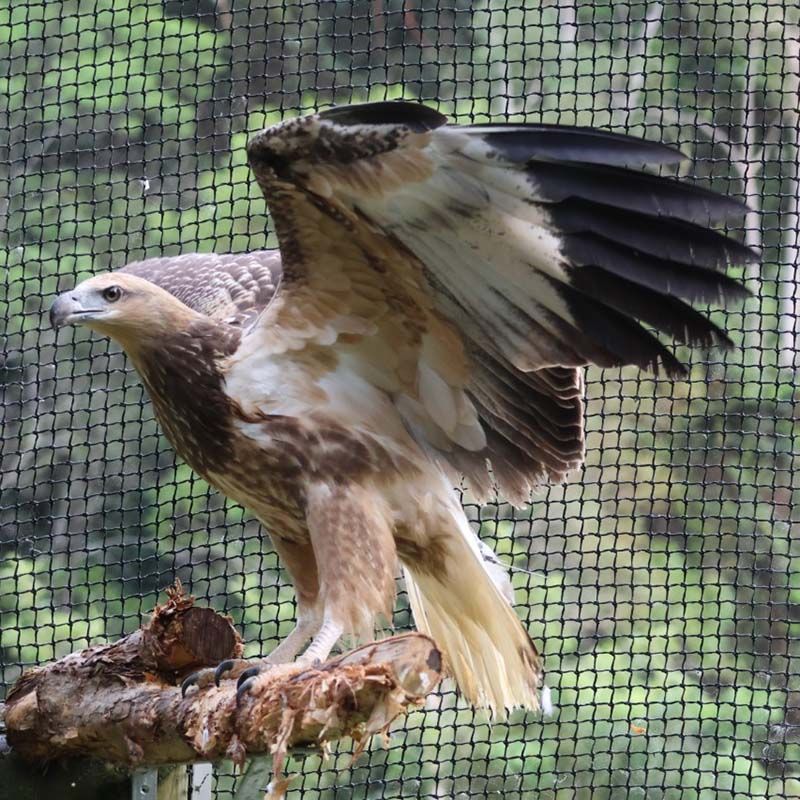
(68, 308)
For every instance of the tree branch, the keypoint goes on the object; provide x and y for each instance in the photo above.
(122, 703)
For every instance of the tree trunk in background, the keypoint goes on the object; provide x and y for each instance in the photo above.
(788, 322)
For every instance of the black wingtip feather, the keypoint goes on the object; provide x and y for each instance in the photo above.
(618, 334)
(691, 283)
(632, 191)
(521, 143)
(662, 237)
(667, 314)
(415, 116)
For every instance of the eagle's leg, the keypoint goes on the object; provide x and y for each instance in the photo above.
(317, 651)
(356, 561)
(322, 644)
(355, 558)
(298, 560)
(309, 621)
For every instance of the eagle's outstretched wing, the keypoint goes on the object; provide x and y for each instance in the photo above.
(469, 271)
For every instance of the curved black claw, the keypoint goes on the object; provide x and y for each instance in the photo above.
(250, 672)
(244, 686)
(222, 668)
(188, 682)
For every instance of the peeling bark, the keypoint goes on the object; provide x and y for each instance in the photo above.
(122, 702)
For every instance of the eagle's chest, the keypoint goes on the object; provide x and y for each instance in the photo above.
(185, 385)
(197, 436)
(203, 423)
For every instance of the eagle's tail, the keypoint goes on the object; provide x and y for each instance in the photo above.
(462, 607)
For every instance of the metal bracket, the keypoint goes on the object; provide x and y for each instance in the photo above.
(144, 785)
(202, 780)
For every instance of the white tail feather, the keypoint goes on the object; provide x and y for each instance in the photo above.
(497, 571)
(486, 648)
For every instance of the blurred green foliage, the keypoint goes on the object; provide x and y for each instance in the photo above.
(663, 582)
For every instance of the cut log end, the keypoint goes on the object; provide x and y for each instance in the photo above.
(191, 639)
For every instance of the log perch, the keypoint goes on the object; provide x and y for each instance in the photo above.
(122, 702)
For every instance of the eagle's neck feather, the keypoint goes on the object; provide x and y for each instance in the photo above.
(184, 378)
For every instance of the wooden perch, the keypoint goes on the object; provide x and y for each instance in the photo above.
(122, 702)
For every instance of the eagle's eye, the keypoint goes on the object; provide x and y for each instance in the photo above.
(112, 294)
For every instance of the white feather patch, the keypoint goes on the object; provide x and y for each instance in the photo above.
(546, 699)
(438, 399)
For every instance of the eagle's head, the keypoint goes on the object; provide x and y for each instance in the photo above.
(125, 307)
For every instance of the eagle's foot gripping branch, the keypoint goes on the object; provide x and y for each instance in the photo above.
(230, 668)
(123, 702)
(248, 679)
(244, 672)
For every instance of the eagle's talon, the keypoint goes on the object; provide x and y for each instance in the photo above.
(223, 667)
(244, 687)
(189, 681)
(250, 672)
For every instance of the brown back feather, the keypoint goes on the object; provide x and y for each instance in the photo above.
(233, 288)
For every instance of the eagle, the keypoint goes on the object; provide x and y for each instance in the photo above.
(437, 292)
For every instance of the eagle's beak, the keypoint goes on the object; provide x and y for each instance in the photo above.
(69, 308)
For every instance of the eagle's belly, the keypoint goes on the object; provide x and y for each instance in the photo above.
(272, 494)
(278, 458)
(270, 460)
(310, 417)
(266, 428)
(267, 481)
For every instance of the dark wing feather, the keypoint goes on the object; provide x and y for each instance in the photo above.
(538, 242)
(540, 142)
(588, 252)
(663, 238)
(663, 312)
(627, 190)
(410, 116)
(232, 288)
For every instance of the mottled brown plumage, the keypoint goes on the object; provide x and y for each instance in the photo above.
(436, 293)
(233, 289)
